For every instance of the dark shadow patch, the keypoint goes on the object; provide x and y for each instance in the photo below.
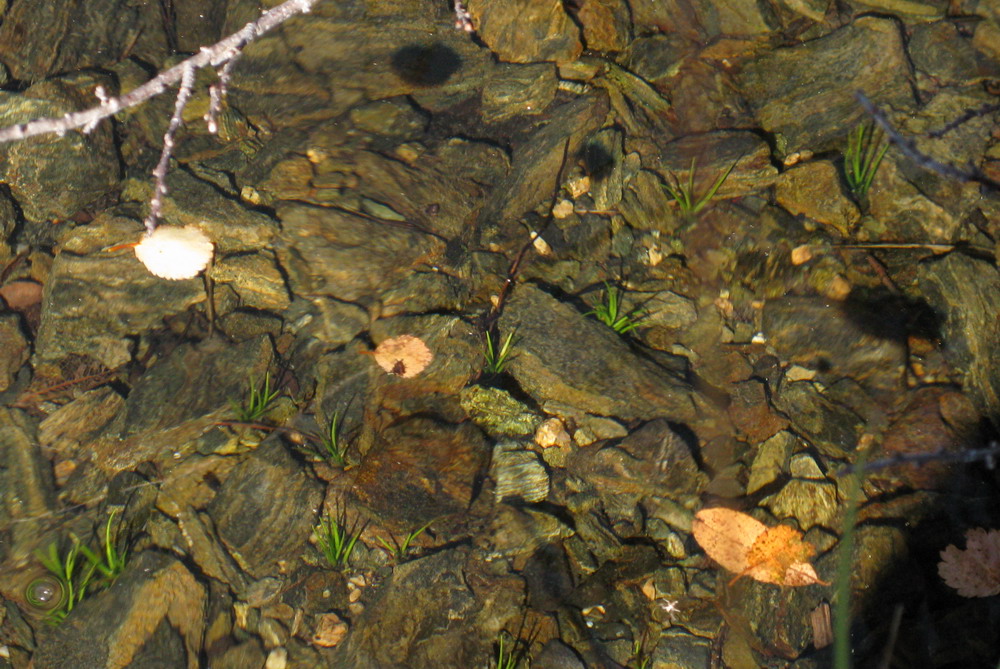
(596, 160)
(425, 65)
(890, 316)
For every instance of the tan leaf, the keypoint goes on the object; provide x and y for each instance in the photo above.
(404, 356)
(727, 536)
(747, 547)
(175, 253)
(21, 294)
(974, 572)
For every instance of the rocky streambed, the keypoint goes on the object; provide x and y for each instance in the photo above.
(627, 235)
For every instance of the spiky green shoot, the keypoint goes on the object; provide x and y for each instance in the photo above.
(683, 193)
(862, 158)
(399, 548)
(332, 448)
(497, 359)
(609, 312)
(510, 656)
(257, 401)
(75, 576)
(336, 542)
(111, 563)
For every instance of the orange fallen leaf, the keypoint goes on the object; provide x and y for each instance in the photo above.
(745, 546)
(404, 356)
(21, 294)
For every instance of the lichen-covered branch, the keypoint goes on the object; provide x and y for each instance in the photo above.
(220, 56)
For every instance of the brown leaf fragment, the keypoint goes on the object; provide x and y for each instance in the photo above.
(404, 356)
(727, 536)
(20, 295)
(747, 547)
(974, 572)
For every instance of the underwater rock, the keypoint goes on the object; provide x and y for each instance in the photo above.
(565, 357)
(266, 509)
(518, 473)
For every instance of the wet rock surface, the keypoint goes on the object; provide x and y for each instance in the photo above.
(626, 237)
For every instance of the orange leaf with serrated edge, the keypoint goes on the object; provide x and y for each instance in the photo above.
(747, 547)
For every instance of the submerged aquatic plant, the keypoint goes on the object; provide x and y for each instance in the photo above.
(257, 401)
(399, 548)
(510, 656)
(683, 192)
(497, 355)
(74, 577)
(862, 158)
(332, 448)
(336, 542)
(609, 312)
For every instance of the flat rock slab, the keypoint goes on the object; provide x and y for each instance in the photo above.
(95, 300)
(861, 342)
(805, 93)
(330, 252)
(389, 634)
(178, 400)
(265, 511)
(562, 356)
(653, 461)
(421, 469)
(966, 292)
(538, 160)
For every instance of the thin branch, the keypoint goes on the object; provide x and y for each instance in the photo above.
(909, 149)
(160, 171)
(987, 455)
(216, 55)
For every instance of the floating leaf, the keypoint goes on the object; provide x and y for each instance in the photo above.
(747, 547)
(974, 572)
(404, 356)
(175, 253)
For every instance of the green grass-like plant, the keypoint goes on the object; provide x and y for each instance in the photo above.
(257, 401)
(336, 542)
(77, 577)
(398, 549)
(845, 563)
(332, 448)
(111, 562)
(510, 656)
(609, 312)
(497, 358)
(642, 660)
(683, 192)
(862, 158)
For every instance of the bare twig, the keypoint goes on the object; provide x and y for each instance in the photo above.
(220, 55)
(909, 149)
(215, 56)
(988, 455)
(160, 171)
(463, 19)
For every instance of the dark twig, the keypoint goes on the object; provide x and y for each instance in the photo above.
(909, 149)
(967, 116)
(988, 455)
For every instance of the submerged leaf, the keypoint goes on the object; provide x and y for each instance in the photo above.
(747, 547)
(404, 356)
(974, 572)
